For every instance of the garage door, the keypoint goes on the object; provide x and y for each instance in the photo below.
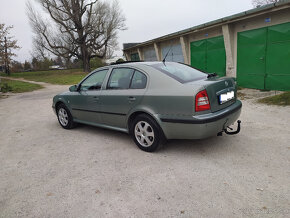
(174, 53)
(209, 55)
(135, 57)
(150, 54)
(263, 58)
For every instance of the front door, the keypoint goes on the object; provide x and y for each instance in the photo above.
(85, 104)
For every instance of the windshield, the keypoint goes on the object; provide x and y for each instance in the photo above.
(180, 72)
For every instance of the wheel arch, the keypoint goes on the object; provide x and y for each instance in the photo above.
(134, 114)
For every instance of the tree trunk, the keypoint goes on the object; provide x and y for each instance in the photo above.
(6, 61)
(86, 65)
(86, 59)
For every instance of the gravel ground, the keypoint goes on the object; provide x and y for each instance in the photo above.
(46, 171)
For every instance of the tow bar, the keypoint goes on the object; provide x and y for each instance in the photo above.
(231, 133)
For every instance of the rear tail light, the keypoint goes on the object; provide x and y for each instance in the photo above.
(202, 101)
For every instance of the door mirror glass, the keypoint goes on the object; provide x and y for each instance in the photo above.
(73, 88)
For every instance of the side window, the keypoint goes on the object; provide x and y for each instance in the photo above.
(120, 78)
(94, 81)
(139, 81)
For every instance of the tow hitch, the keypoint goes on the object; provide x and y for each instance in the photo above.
(231, 132)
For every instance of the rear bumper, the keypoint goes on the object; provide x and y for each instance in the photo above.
(201, 126)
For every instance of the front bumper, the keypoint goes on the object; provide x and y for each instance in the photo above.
(201, 126)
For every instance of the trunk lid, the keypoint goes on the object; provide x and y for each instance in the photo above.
(216, 86)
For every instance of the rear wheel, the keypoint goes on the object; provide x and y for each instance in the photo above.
(146, 133)
(64, 117)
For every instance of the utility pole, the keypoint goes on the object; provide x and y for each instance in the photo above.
(6, 60)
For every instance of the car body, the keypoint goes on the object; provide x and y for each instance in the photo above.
(179, 101)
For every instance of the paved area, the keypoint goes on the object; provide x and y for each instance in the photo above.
(46, 171)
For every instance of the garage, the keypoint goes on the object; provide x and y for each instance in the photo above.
(263, 58)
(209, 55)
(253, 46)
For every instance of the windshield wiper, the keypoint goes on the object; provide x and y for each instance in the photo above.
(210, 75)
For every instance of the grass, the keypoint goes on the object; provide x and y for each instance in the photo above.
(60, 77)
(17, 86)
(282, 99)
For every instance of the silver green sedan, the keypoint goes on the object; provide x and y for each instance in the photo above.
(152, 101)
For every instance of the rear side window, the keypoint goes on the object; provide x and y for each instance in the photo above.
(120, 78)
(180, 72)
(139, 81)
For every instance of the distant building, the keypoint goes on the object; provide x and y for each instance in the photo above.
(252, 46)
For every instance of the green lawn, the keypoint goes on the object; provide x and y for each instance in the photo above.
(17, 86)
(282, 99)
(61, 77)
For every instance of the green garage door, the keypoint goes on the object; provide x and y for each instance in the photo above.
(135, 57)
(263, 60)
(209, 55)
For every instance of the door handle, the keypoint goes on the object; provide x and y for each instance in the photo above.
(131, 98)
(261, 58)
(96, 98)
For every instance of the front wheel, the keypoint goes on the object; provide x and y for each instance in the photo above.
(64, 117)
(146, 133)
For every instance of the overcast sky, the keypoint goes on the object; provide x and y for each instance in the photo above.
(145, 19)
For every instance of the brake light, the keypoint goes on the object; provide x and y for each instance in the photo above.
(202, 101)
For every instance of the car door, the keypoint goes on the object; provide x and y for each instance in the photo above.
(125, 89)
(85, 103)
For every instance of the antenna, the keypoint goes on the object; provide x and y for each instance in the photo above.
(167, 53)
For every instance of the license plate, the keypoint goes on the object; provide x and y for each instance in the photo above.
(226, 97)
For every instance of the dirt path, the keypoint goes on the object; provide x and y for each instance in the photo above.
(28, 81)
(47, 171)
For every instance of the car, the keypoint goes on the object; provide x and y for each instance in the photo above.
(152, 101)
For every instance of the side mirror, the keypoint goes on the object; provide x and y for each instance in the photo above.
(73, 88)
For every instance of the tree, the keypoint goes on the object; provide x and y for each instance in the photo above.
(259, 3)
(7, 45)
(79, 29)
(27, 65)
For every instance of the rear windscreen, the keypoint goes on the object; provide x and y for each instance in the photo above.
(180, 72)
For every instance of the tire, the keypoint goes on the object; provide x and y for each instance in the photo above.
(64, 117)
(146, 133)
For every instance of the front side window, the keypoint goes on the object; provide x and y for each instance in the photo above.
(94, 81)
(139, 81)
(120, 78)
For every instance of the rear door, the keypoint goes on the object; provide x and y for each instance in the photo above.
(125, 89)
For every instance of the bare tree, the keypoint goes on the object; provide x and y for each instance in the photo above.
(259, 3)
(7, 45)
(81, 29)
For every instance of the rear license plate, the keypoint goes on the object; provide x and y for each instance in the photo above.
(226, 97)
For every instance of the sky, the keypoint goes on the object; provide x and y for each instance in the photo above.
(145, 19)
